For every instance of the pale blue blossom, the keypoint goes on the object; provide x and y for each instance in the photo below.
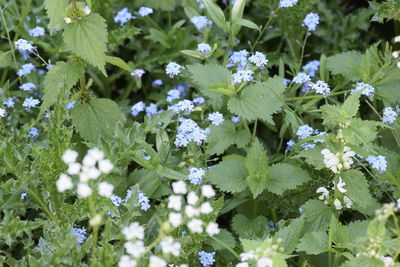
(80, 233)
(198, 101)
(304, 131)
(216, 118)
(204, 48)
(206, 258)
(9, 102)
(173, 94)
(312, 67)
(138, 73)
(30, 103)
(242, 76)
(137, 108)
(37, 32)
(200, 22)
(123, 16)
(145, 11)
(301, 77)
(151, 109)
(189, 131)
(389, 115)
(238, 59)
(23, 45)
(287, 3)
(173, 69)
(321, 87)
(235, 119)
(70, 105)
(259, 60)
(143, 201)
(27, 87)
(157, 82)
(33, 132)
(311, 21)
(196, 175)
(26, 69)
(365, 89)
(377, 162)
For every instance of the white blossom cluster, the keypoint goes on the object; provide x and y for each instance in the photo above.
(92, 167)
(339, 161)
(338, 202)
(262, 255)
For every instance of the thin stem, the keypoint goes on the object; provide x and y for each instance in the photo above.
(255, 129)
(248, 130)
(153, 244)
(263, 30)
(74, 3)
(315, 96)
(303, 48)
(36, 53)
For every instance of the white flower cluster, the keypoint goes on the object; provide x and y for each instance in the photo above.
(338, 202)
(339, 161)
(387, 210)
(92, 167)
(262, 255)
(194, 209)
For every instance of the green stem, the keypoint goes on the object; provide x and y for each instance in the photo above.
(153, 244)
(315, 96)
(41, 203)
(226, 246)
(74, 3)
(263, 30)
(248, 130)
(302, 52)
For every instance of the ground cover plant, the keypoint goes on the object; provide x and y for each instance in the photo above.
(199, 133)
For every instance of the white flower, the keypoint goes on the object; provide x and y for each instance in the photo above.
(135, 248)
(92, 172)
(3, 112)
(87, 10)
(195, 226)
(68, 20)
(348, 202)
(179, 187)
(175, 202)
(105, 189)
(242, 264)
(331, 161)
(264, 262)
(247, 256)
(64, 183)
(387, 261)
(105, 166)
(175, 219)
(206, 208)
(89, 161)
(96, 153)
(212, 229)
(190, 211)
(192, 198)
(157, 262)
(69, 156)
(398, 203)
(74, 168)
(340, 186)
(134, 230)
(126, 261)
(84, 190)
(324, 191)
(338, 204)
(348, 157)
(168, 246)
(207, 191)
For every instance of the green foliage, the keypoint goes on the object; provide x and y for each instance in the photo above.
(317, 215)
(291, 234)
(249, 228)
(314, 243)
(284, 176)
(56, 12)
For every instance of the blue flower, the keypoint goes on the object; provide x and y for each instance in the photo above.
(26, 69)
(151, 109)
(138, 73)
(173, 94)
(30, 103)
(27, 87)
(80, 232)
(33, 132)
(157, 82)
(311, 67)
(290, 144)
(206, 258)
(185, 106)
(200, 22)
(116, 200)
(9, 102)
(304, 131)
(36, 32)
(123, 16)
(378, 162)
(196, 175)
(287, 3)
(235, 119)
(23, 195)
(242, 76)
(216, 118)
(70, 105)
(189, 131)
(204, 48)
(137, 108)
(301, 77)
(145, 11)
(238, 59)
(321, 87)
(143, 201)
(173, 69)
(198, 101)
(389, 115)
(311, 21)
(259, 60)
(23, 45)
(365, 89)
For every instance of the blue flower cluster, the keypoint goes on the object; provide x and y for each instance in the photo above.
(389, 115)
(206, 258)
(196, 175)
(301, 77)
(9, 102)
(123, 16)
(189, 131)
(137, 108)
(304, 131)
(173, 69)
(365, 89)
(36, 32)
(238, 59)
(200, 22)
(242, 76)
(216, 118)
(27, 87)
(30, 103)
(33, 132)
(70, 105)
(26, 69)
(311, 21)
(185, 106)
(377, 162)
(259, 60)
(287, 3)
(145, 11)
(143, 201)
(80, 232)
(235, 119)
(321, 87)
(173, 94)
(203, 48)
(312, 67)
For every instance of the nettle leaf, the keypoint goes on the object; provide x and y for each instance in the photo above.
(222, 137)
(119, 62)
(345, 64)
(317, 215)
(225, 239)
(246, 228)
(363, 261)
(313, 157)
(229, 175)
(88, 39)
(291, 234)
(285, 176)
(314, 243)
(259, 100)
(257, 166)
(96, 119)
(337, 233)
(56, 12)
(360, 132)
(389, 86)
(63, 76)
(334, 114)
(358, 191)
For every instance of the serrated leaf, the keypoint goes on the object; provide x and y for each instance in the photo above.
(249, 244)
(291, 234)
(229, 175)
(257, 165)
(358, 190)
(224, 237)
(363, 261)
(346, 64)
(285, 176)
(334, 114)
(246, 228)
(314, 243)
(222, 137)
(259, 100)
(313, 157)
(63, 76)
(88, 39)
(337, 233)
(96, 119)
(360, 132)
(119, 62)
(205, 76)
(56, 12)
(356, 230)
(317, 215)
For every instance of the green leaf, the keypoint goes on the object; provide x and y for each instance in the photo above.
(337, 233)
(249, 245)
(363, 261)
(376, 228)
(334, 114)
(249, 24)
(317, 215)
(358, 191)
(291, 234)
(259, 100)
(63, 76)
(346, 64)
(229, 175)
(88, 39)
(360, 132)
(237, 15)
(222, 137)
(246, 228)
(314, 243)
(356, 230)
(5, 59)
(225, 237)
(119, 62)
(192, 53)
(56, 12)
(257, 166)
(216, 14)
(96, 119)
(313, 157)
(285, 176)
